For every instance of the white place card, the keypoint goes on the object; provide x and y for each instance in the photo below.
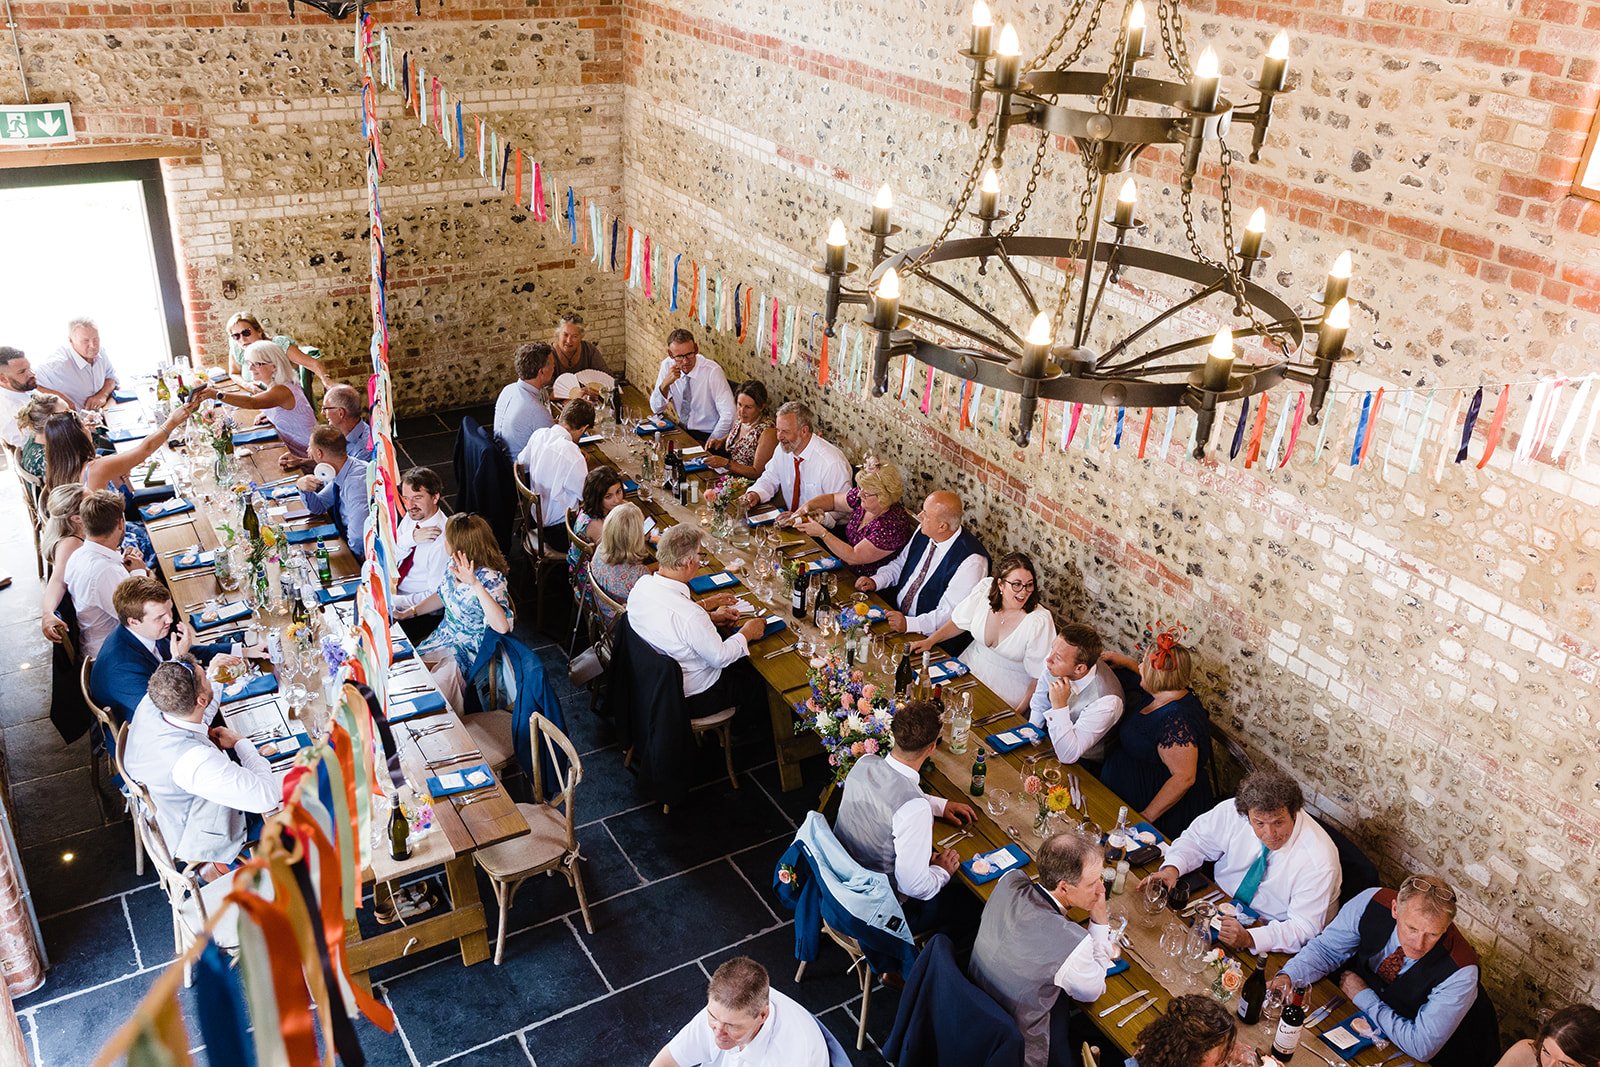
(720, 580)
(1009, 738)
(1001, 859)
(477, 776)
(451, 780)
(1341, 1039)
(697, 450)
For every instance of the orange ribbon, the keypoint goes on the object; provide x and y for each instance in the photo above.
(1495, 426)
(519, 176)
(1254, 448)
(1044, 432)
(1144, 432)
(694, 291)
(288, 980)
(627, 266)
(1372, 425)
(822, 362)
(965, 422)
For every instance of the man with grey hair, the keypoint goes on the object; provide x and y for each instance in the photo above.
(572, 352)
(697, 389)
(79, 370)
(201, 796)
(341, 408)
(716, 670)
(1028, 950)
(805, 465)
(1270, 856)
(746, 1022)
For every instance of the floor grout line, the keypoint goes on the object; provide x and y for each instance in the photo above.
(759, 895)
(637, 873)
(587, 954)
(138, 956)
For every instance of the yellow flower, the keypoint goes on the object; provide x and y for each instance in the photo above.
(861, 610)
(1058, 799)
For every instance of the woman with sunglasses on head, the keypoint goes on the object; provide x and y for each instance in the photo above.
(244, 329)
(1569, 1038)
(1011, 632)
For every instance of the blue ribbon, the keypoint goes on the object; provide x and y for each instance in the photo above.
(738, 316)
(1238, 433)
(675, 259)
(1361, 429)
(1472, 420)
(505, 165)
(461, 134)
(1117, 441)
(614, 244)
(572, 217)
(223, 1019)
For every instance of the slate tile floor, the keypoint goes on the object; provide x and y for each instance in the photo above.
(671, 897)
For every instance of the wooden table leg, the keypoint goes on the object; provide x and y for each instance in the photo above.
(463, 884)
(783, 740)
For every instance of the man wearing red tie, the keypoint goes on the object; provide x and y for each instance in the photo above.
(804, 466)
(420, 543)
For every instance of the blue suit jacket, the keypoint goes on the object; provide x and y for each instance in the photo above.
(121, 673)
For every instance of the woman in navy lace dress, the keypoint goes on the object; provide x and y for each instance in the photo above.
(1161, 765)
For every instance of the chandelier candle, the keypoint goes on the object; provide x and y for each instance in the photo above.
(1008, 61)
(1126, 201)
(1219, 363)
(1207, 83)
(1338, 280)
(1275, 66)
(1135, 46)
(833, 257)
(1036, 350)
(886, 302)
(989, 196)
(1331, 334)
(983, 24)
(880, 211)
(1254, 231)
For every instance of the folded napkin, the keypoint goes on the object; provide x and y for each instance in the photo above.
(1146, 828)
(135, 433)
(655, 426)
(219, 375)
(401, 648)
(451, 782)
(826, 563)
(193, 560)
(775, 625)
(333, 593)
(327, 532)
(1013, 739)
(1347, 1039)
(762, 518)
(1000, 861)
(255, 435)
(1117, 968)
(944, 671)
(591, 438)
(225, 613)
(421, 704)
(694, 466)
(122, 396)
(174, 506)
(279, 492)
(287, 746)
(245, 688)
(705, 583)
(629, 485)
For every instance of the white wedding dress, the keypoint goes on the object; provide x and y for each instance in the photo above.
(1009, 667)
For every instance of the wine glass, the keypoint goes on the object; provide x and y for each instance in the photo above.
(1174, 941)
(998, 802)
(1153, 897)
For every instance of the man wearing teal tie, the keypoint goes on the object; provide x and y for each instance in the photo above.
(1269, 855)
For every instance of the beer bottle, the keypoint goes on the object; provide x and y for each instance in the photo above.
(980, 772)
(324, 566)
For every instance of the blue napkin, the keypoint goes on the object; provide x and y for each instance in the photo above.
(826, 563)
(775, 625)
(279, 492)
(120, 396)
(705, 583)
(655, 426)
(1334, 1034)
(402, 648)
(288, 746)
(695, 466)
(117, 437)
(217, 376)
(328, 532)
(944, 671)
(200, 559)
(763, 518)
(255, 436)
(174, 506)
(629, 485)
(335, 593)
(1147, 828)
(477, 777)
(255, 687)
(151, 494)
(1022, 735)
(1019, 859)
(1117, 968)
(225, 613)
(422, 704)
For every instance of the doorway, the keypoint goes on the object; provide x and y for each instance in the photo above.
(91, 241)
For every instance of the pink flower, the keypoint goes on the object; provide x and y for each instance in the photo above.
(858, 676)
(869, 691)
(1032, 786)
(833, 759)
(859, 748)
(785, 876)
(871, 745)
(847, 701)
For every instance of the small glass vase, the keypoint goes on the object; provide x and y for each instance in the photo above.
(1219, 989)
(1041, 821)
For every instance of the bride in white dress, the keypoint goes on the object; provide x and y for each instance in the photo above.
(1011, 633)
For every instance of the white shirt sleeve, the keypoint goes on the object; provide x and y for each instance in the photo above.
(722, 395)
(1041, 637)
(885, 576)
(770, 481)
(692, 1045)
(1083, 973)
(1072, 739)
(962, 582)
(211, 775)
(973, 610)
(914, 875)
(715, 650)
(1205, 839)
(1315, 888)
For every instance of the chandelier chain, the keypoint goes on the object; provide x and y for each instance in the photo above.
(1230, 260)
(1172, 41)
(1033, 184)
(1085, 203)
(961, 201)
(1060, 37)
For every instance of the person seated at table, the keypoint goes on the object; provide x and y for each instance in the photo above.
(878, 527)
(61, 536)
(622, 556)
(99, 565)
(1401, 961)
(1077, 699)
(343, 498)
(697, 389)
(885, 819)
(18, 385)
(1270, 856)
(523, 407)
(475, 599)
(556, 469)
(1028, 949)
(244, 329)
(31, 422)
(1010, 631)
(572, 352)
(1194, 1031)
(752, 439)
(602, 493)
(79, 370)
(1568, 1038)
(806, 466)
(717, 672)
(341, 406)
(419, 541)
(70, 455)
(939, 567)
(201, 796)
(746, 1022)
(281, 401)
(144, 639)
(1161, 764)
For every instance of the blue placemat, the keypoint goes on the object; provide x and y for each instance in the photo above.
(401, 647)
(1117, 968)
(452, 782)
(629, 485)
(826, 563)
(998, 864)
(762, 518)
(327, 532)
(1022, 735)
(775, 625)
(946, 670)
(1149, 829)
(335, 593)
(1357, 1044)
(255, 436)
(705, 583)
(424, 704)
(121, 396)
(174, 506)
(117, 437)
(279, 492)
(287, 746)
(694, 466)
(150, 494)
(193, 561)
(226, 613)
(656, 425)
(253, 687)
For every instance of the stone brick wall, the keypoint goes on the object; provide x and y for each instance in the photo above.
(1422, 655)
(267, 194)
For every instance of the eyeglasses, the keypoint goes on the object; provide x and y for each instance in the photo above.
(1016, 585)
(1422, 885)
(240, 335)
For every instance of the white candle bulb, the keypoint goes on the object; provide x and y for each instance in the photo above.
(1039, 332)
(1009, 44)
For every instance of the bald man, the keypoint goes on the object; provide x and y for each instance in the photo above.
(341, 407)
(943, 562)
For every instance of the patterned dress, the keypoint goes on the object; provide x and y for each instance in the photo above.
(463, 627)
(616, 579)
(578, 560)
(743, 440)
(890, 531)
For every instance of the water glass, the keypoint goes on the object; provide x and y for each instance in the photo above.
(1272, 1005)
(1174, 940)
(997, 801)
(1153, 896)
(1196, 946)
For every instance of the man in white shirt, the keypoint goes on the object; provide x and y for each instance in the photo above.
(18, 383)
(423, 559)
(201, 796)
(523, 407)
(886, 821)
(1078, 699)
(78, 370)
(805, 466)
(1028, 950)
(1271, 856)
(716, 670)
(696, 388)
(96, 569)
(748, 1023)
(936, 570)
(556, 469)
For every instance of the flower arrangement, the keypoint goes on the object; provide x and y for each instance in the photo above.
(728, 491)
(847, 713)
(1227, 976)
(853, 615)
(334, 654)
(1051, 801)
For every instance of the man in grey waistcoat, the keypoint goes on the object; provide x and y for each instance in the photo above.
(886, 821)
(1078, 699)
(1028, 950)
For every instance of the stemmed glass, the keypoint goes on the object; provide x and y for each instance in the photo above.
(1174, 942)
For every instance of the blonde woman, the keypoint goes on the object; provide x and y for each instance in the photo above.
(879, 524)
(30, 420)
(61, 537)
(475, 599)
(244, 329)
(622, 555)
(282, 403)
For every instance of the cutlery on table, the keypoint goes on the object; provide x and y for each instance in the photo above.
(467, 796)
(477, 797)
(459, 757)
(778, 652)
(1211, 897)
(1323, 1012)
(951, 839)
(996, 717)
(1126, 1019)
(1125, 1001)
(1397, 1054)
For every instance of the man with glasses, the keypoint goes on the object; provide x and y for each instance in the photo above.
(341, 409)
(936, 570)
(746, 1022)
(697, 389)
(1078, 699)
(1405, 965)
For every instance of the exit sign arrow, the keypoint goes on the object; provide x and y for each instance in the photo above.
(33, 124)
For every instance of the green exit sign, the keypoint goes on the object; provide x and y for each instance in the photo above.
(22, 124)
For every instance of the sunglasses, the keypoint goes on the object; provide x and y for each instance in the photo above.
(1422, 885)
(240, 335)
